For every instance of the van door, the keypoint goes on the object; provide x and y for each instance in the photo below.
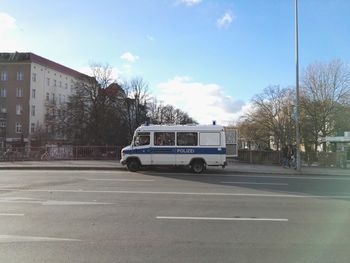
(163, 151)
(187, 147)
(142, 147)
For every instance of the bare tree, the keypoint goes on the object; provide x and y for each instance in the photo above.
(325, 86)
(134, 107)
(93, 111)
(167, 114)
(272, 115)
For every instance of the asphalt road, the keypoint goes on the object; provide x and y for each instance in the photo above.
(166, 216)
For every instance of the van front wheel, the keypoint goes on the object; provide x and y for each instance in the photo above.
(133, 165)
(198, 166)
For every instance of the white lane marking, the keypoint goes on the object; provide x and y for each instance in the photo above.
(254, 183)
(311, 177)
(10, 214)
(222, 218)
(122, 180)
(173, 193)
(15, 238)
(51, 202)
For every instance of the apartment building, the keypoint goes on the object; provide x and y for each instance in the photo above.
(32, 89)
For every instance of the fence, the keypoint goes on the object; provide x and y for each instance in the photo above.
(323, 159)
(248, 156)
(64, 152)
(332, 159)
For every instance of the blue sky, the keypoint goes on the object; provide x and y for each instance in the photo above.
(207, 57)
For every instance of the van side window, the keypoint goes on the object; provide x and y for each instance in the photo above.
(209, 139)
(164, 138)
(142, 138)
(187, 139)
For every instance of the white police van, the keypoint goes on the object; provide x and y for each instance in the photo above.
(196, 146)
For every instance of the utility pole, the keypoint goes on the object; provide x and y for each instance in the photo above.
(297, 101)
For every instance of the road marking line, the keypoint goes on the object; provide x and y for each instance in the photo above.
(14, 238)
(122, 180)
(254, 183)
(223, 218)
(174, 193)
(311, 177)
(51, 202)
(9, 214)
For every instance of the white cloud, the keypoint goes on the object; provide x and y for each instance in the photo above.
(150, 38)
(190, 2)
(129, 57)
(7, 22)
(226, 20)
(203, 102)
(10, 34)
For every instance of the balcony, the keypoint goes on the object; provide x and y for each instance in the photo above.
(50, 103)
(50, 118)
(3, 115)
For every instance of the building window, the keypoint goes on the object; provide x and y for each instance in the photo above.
(32, 127)
(19, 92)
(19, 109)
(2, 123)
(64, 99)
(53, 98)
(66, 86)
(3, 92)
(54, 83)
(34, 76)
(33, 93)
(60, 84)
(18, 127)
(3, 110)
(60, 98)
(20, 75)
(33, 110)
(47, 96)
(48, 81)
(4, 75)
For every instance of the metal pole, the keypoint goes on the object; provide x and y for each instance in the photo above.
(297, 102)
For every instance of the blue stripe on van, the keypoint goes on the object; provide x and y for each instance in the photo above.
(177, 150)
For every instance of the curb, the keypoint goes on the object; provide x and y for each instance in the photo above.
(121, 168)
(60, 168)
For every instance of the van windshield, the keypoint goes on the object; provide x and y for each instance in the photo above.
(141, 138)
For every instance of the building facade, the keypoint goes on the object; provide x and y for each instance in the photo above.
(32, 90)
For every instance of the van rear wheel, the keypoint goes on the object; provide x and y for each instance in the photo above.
(133, 165)
(198, 166)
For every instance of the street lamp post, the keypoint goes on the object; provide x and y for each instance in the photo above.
(297, 101)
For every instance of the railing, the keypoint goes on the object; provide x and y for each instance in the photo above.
(64, 152)
(272, 157)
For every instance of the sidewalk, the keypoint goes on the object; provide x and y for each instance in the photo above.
(235, 167)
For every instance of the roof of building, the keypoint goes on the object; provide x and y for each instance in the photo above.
(115, 89)
(31, 57)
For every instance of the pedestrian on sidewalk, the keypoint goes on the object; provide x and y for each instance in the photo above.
(289, 155)
(285, 156)
(294, 157)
